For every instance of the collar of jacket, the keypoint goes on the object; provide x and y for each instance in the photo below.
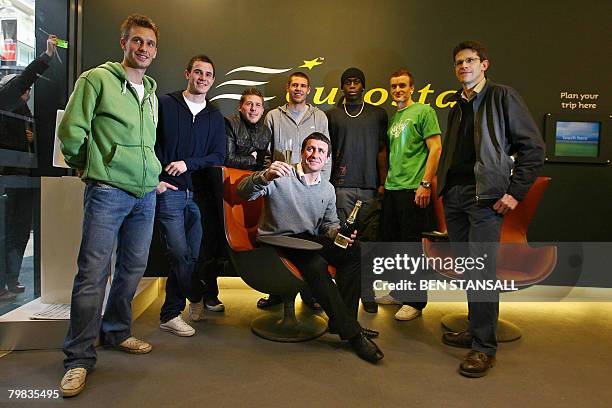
(456, 97)
(178, 96)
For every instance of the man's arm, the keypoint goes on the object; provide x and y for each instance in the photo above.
(12, 91)
(383, 155)
(330, 224)
(258, 184)
(322, 127)
(526, 141)
(75, 127)
(434, 144)
(233, 159)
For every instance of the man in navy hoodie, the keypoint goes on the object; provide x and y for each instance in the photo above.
(190, 136)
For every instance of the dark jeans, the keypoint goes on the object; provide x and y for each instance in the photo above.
(110, 214)
(480, 225)
(339, 300)
(181, 233)
(401, 220)
(18, 225)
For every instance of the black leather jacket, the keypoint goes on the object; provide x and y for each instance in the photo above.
(244, 138)
(503, 127)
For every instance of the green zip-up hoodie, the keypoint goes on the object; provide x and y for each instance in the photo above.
(108, 134)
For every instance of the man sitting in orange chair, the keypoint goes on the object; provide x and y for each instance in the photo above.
(299, 203)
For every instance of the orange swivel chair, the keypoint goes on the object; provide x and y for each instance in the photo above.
(263, 268)
(516, 260)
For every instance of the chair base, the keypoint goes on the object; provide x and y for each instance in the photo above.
(458, 322)
(288, 329)
(275, 329)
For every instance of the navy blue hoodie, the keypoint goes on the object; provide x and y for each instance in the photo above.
(199, 141)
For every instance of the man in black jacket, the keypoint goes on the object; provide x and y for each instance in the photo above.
(248, 139)
(480, 182)
(190, 136)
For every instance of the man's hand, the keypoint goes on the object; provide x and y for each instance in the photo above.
(353, 237)
(254, 154)
(422, 196)
(51, 45)
(381, 190)
(163, 186)
(505, 204)
(176, 168)
(276, 170)
(29, 135)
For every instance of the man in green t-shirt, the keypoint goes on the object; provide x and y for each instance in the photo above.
(414, 152)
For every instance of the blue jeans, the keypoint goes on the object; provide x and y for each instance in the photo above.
(470, 221)
(181, 233)
(109, 214)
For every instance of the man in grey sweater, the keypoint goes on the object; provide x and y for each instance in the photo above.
(299, 203)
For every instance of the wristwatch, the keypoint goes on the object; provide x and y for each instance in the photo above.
(426, 184)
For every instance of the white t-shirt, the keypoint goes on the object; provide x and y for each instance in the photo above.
(139, 90)
(194, 107)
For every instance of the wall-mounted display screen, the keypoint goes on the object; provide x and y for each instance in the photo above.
(577, 138)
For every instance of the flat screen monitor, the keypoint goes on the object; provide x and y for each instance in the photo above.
(577, 138)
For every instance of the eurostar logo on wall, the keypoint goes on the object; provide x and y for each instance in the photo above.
(321, 95)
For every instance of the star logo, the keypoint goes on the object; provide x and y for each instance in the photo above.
(312, 63)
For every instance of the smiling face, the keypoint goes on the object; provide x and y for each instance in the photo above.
(353, 89)
(469, 68)
(401, 90)
(298, 88)
(314, 156)
(200, 78)
(252, 108)
(139, 48)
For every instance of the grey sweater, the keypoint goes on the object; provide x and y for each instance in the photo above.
(291, 206)
(284, 127)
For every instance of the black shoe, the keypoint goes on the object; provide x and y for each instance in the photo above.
(16, 287)
(366, 348)
(369, 333)
(476, 364)
(272, 300)
(460, 339)
(313, 305)
(370, 307)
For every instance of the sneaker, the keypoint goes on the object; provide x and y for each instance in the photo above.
(387, 300)
(6, 296)
(178, 326)
(214, 305)
(196, 311)
(407, 313)
(16, 287)
(73, 382)
(134, 346)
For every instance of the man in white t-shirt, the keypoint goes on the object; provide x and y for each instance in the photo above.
(190, 136)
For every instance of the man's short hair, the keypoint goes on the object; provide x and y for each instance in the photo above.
(201, 58)
(318, 136)
(298, 74)
(475, 46)
(403, 72)
(140, 21)
(250, 91)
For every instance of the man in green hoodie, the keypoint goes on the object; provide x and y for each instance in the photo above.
(107, 134)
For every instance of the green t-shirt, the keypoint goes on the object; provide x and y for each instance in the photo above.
(408, 129)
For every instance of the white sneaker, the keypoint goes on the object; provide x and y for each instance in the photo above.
(178, 326)
(387, 300)
(407, 312)
(73, 382)
(196, 311)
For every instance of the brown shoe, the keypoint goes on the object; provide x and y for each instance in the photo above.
(476, 364)
(133, 345)
(460, 339)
